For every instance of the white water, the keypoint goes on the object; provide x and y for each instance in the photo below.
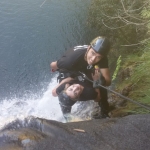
(45, 107)
(24, 54)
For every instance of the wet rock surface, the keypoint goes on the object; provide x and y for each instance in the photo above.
(130, 132)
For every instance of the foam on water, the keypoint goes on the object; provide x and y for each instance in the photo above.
(45, 107)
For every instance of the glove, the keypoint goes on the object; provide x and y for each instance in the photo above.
(100, 81)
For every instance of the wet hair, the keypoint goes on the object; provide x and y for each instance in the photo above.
(65, 100)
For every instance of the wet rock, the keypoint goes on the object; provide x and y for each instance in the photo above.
(127, 133)
(125, 73)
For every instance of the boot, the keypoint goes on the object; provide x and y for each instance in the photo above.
(104, 110)
(100, 112)
(96, 113)
(99, 115)
(104, 114)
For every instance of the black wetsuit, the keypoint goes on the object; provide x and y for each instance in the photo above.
(88, 93)
(73, 60)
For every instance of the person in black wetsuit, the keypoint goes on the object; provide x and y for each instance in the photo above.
(83, 58)
(70, 90)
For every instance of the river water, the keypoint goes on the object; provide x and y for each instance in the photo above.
(32, 34)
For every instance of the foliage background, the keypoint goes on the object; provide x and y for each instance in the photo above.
(127, 24)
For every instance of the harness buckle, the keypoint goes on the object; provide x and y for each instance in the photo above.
(62, 75)
(80, 78)
(89, 67)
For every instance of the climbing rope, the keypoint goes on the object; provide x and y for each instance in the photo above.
(85, 77)
(126, 98)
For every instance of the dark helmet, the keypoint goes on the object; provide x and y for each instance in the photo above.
(65, 100)
(101, 45)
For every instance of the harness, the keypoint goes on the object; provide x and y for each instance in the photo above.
(73, 74)
(63, 75)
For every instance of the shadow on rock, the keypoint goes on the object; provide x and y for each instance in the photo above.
(131, 132)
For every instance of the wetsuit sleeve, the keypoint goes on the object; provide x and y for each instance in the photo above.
(69, 59)
(88, 94)
(103, 63)
(60, 88)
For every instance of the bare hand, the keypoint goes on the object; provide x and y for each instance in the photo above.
(96, 75)
(53, 66)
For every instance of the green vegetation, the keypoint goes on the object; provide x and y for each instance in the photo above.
(138, 81)
(127, 24)
(117, 68)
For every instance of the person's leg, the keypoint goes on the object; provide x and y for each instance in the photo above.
(104, 102)
(103, 109)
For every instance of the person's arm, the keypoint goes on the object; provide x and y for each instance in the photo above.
(97, 99)
(54, 93)
(54, 66)
(106, 74)
(67, 61)
(104, 69)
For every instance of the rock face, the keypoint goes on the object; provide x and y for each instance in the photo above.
(128, 133)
